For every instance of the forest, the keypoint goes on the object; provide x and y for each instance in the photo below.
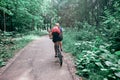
(91, 31)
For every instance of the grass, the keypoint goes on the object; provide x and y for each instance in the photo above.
(11, 46)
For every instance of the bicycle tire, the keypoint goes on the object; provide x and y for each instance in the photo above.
(59, 55)
(60, 59)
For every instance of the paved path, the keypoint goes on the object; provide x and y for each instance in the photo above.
(36, 62)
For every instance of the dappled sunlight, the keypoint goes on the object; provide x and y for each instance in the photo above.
(30, 37)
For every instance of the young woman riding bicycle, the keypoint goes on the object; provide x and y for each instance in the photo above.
(57, 37)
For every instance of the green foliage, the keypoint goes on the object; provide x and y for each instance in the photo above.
(96, 62)
(9, 43)
(25, 15)
(69, 40)
(73, 36)
(111, 24)
(3, 4)
(117, 53)
(5, 43)
(93, 58)
(96, 49)
(86, 32)
(20, 18)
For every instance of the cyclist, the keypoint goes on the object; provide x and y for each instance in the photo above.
(57, 36)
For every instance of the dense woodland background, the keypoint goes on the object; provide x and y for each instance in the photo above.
(91, 31)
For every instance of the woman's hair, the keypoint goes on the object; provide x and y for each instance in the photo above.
(57, 24)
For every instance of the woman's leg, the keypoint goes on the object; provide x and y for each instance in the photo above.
(55, 44)
(60, 43)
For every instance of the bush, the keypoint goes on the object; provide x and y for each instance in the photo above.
(93, 58)
(96, 62)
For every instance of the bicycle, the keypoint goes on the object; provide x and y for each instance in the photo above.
(59, 55)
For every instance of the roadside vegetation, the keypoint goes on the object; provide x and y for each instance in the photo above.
(10, 44)
(93, 58)
(96, 48)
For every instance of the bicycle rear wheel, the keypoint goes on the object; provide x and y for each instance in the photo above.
(60, 58)
(59, 55)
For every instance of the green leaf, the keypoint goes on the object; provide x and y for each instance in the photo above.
(117, 53)
(6, 11)
(105, 79)
(85, 70)
(2, 63)
(113, 68)
(99, 64)
(117, 74)
(109, 20)
(108, 63)
(119, 61)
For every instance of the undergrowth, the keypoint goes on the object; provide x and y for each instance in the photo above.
(93, 58)
(10, 43)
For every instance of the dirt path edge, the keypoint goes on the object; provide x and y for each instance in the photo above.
(11, 61)
(69, 60)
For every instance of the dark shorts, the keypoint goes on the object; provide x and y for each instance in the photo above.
(56, 37)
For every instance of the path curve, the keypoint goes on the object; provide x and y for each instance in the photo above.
(36, 62)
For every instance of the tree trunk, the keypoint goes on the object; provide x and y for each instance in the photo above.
(4, 21)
